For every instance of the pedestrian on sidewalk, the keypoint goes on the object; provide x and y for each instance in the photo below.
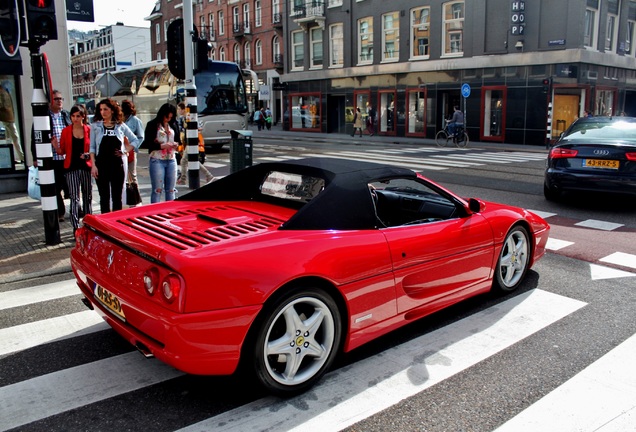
(59, 119)
(371, 121)
(257, 118)
(183, 154)
(7, 117)
(162, 140)
(111, 140)
(357, 122)
(137, 127)
(74, 144)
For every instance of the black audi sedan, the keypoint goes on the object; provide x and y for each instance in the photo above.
(595, 154)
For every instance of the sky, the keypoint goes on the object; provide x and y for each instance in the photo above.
(109, 12)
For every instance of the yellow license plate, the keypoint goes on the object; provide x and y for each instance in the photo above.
(600, 163)
(109, 300)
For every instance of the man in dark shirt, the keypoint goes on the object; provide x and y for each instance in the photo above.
(456, 121)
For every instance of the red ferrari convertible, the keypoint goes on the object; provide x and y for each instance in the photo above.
(280, 266)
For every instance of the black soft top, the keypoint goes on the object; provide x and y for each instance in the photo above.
(344, 204)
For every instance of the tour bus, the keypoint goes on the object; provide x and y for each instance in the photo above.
(221, 95)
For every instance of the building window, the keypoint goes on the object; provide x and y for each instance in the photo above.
(221, 54)
(246, 16)
(629, 38)
(453, 27)
(157, 33)
(221, 23)
(334, 3)
(165, 30)
(316, 47)
(275, 10)
(610, 32)
(298, 49)
(336, 44)
(258, 47)
(493, 107)
(391, 36)
(235, 18)
(237, 54)
(258, 13)
(591, 23)
(211, 20)
(420, 32)
(278, 58)
(305, 111)
(248, 55)
(365, 40)
(386, 112)
(416, 115)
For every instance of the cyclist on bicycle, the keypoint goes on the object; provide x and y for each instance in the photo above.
(456, 122)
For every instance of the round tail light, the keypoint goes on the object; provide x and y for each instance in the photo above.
(151, 280)
(170, 288)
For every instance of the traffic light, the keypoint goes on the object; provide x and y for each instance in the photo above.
(9, 29)
(545, 85)
(176, 52)
(41, 22)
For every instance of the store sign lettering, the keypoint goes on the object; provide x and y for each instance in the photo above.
(518, 18)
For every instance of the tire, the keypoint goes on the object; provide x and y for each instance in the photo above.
(551, 194)
(514, 260)
(464, 143)
(296, 341)
(441, 138)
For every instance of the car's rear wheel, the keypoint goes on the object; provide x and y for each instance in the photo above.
(551, 194)
(514, 260)
(297, 341)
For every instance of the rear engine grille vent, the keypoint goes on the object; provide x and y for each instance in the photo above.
(159, 226)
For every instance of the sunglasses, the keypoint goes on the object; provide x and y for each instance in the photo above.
(58, 99)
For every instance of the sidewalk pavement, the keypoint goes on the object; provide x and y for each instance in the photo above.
(25, 255)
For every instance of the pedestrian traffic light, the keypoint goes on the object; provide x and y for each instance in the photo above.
(176, 50)
(9, 29)
(41, 22)
(547, 82)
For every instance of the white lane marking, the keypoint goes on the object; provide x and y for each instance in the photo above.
(40, 293)
(598, 272)
(416, 167)
(556, 244)
(600, 225)
(57, 392)
(367, 387)
(382, 158)
(600, 398)
(621, 259)
(542, 214)
(24, 336)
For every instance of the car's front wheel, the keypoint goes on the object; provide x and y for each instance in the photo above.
(514, 260)
(297, 341)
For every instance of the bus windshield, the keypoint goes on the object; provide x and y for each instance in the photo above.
(220, 89)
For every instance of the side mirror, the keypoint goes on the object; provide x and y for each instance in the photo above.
(474, 205)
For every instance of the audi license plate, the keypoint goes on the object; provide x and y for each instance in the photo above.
(109, 300)
(600, 163)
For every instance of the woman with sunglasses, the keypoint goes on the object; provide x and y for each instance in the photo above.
(162, 140)
(111, 140)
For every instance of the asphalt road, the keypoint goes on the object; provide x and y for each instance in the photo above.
(472, 367)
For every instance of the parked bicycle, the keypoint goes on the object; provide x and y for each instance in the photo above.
(460, 138)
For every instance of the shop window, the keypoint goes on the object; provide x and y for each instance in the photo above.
(304, 111)
(387, 114)
(493, 101)
(416, 113)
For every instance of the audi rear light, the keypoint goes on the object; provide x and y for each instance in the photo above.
(560, 153)
(170, 288)
(631, 156)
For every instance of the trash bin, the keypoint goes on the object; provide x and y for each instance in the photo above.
(240, 150)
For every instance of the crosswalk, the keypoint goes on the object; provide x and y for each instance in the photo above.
(345, 396)
(414, 158)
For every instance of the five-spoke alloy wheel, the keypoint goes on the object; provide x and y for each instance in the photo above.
(297, 341)
(514, 260)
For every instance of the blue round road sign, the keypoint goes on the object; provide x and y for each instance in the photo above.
(465, 90)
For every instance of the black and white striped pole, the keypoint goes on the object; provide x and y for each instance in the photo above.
(43, 149)
(548, 135)
(192, 118)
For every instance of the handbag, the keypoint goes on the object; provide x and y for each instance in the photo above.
(33, 188)
(133, 197)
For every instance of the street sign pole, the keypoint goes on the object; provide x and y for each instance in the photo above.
(465, 94)
(192, 119)
(43, 148)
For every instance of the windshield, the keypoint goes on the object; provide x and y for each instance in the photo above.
(603, 130)
(221, 89)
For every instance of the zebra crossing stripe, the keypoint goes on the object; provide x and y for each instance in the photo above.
(26, 296)
(367, 387)
(602, 397)
(48, 395)
(402, 160)
(415, 167)
(25, 336)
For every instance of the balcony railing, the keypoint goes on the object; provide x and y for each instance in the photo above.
(278, 61)
(241, 29)
(309, 13)
(277, 20)
(207, 32)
